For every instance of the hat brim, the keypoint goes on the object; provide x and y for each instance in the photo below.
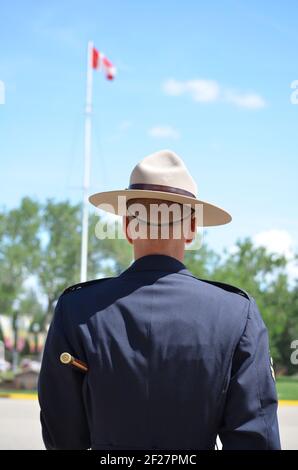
(108, 201)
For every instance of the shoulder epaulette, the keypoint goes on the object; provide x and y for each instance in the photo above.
(81, 285)
(227, 287)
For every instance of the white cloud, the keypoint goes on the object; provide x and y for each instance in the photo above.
(203, 90)
(173, 87)
(245, 100)
(163, 132)
(200, 90)
(207, 91)
(276, 241)
(280, 242)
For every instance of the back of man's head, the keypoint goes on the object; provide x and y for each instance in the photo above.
(159, 225)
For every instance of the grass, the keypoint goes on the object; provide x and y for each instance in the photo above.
(287, 388)
(26, 392)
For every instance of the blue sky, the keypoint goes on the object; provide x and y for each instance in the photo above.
(209, 80)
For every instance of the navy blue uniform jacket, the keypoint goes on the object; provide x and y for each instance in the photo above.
(173, 362)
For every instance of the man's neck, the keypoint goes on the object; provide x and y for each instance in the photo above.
(175, 250)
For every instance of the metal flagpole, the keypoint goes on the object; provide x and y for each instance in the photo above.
(87, 160)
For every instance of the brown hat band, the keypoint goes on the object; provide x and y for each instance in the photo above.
(162, 188)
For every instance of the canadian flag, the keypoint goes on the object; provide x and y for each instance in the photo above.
(99, 60)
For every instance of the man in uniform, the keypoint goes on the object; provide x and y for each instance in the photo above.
(173, 361)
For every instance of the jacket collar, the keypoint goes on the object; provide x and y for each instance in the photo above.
(158, 263)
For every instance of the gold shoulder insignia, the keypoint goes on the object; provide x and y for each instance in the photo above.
(227, 287)
(272, 369)
(81, 285)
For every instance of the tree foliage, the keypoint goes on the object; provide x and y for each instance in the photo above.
(42, 243)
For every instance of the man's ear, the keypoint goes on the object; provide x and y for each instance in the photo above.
(192, 230)
(193, 225)
(125, 223)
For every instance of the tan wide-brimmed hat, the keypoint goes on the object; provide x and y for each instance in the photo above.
(161, 175)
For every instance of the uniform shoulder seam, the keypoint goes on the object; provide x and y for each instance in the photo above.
(82, 285)
(227, 287)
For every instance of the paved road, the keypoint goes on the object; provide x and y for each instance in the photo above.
(20, 428)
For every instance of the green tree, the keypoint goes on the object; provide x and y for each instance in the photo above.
(59, 254)
(116, 254)
(19, 255)
(263, 275)
(44, 242)
(19, 250)
(201, 261)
